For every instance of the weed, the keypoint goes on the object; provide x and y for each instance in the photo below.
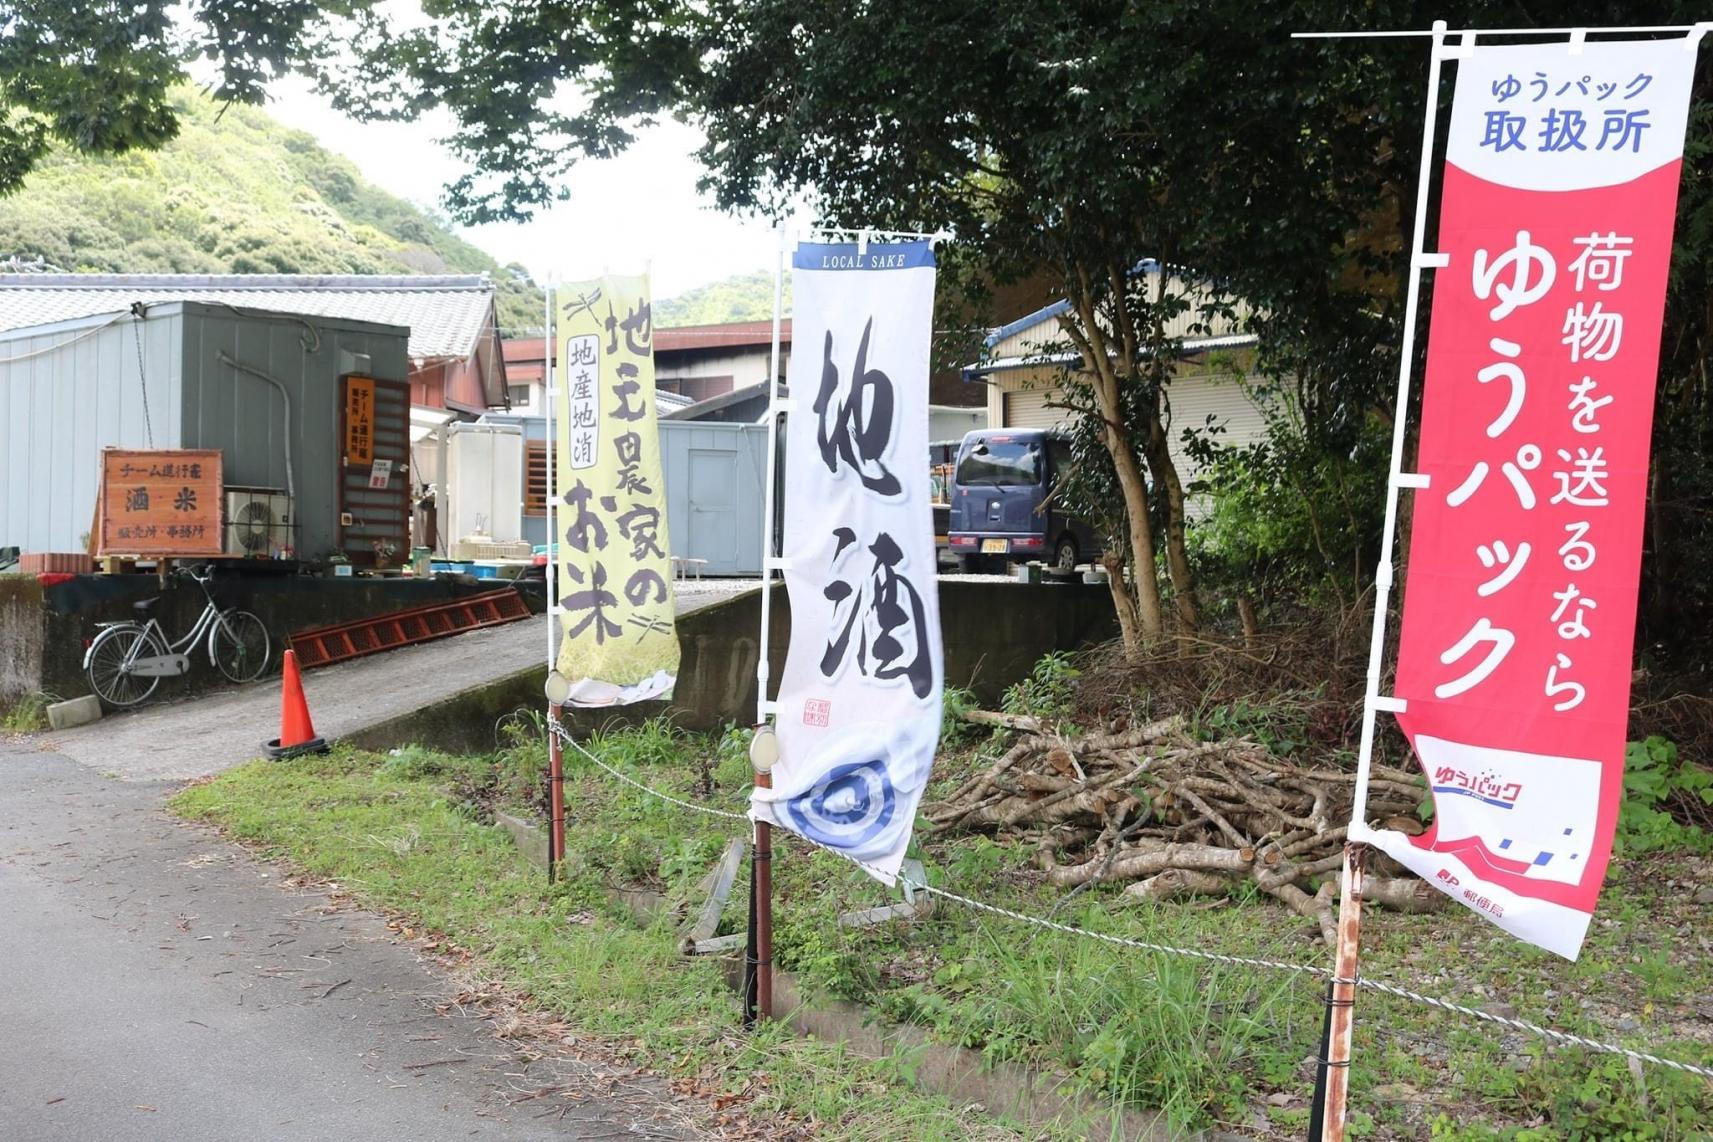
(27, 714)
(954, 731)
(414, 762)
(1655, 777)
(1048, 691)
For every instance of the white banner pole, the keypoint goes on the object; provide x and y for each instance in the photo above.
(769, 540)
(1342, 994)
(547, 364)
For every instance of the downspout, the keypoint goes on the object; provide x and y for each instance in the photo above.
(239, 367)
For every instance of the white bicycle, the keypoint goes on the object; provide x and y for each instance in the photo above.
(127, 660)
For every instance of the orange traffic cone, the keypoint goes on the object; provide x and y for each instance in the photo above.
(297, 733)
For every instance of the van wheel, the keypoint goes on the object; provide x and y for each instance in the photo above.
(969, 564)
(1065, 554)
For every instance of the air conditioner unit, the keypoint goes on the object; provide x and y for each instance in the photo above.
(258, 523)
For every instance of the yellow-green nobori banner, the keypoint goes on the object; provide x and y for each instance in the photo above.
(618, 643)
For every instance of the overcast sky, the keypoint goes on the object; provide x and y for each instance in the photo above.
(640, 209)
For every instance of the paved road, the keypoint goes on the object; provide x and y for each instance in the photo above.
(218, 730)
(162, 984)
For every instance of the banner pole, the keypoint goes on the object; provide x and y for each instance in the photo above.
(758, 966)
(1334, 1076)
(762, 862)
(555, 759)
(548, 361)
(769, 527)
(555, 752)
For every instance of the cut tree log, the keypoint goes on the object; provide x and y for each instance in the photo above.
(1152, 807)
(1177, 882)
(1021, 722)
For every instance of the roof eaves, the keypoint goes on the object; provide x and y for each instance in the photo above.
(1008, 364)
(1048, 312)
(724, 400)
(374, 282)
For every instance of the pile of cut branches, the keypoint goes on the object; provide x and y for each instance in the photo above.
(1173, 816)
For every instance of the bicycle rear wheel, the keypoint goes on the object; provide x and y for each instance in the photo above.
(112, 650)
(238, 646)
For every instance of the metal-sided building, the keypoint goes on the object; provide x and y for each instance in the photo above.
(266, 388)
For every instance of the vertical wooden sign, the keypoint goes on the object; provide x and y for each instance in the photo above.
(359, 420)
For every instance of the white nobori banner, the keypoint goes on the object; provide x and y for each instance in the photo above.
(858, 711)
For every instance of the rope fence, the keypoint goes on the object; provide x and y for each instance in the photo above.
(1315, 971)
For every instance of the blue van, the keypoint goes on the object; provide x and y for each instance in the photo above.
(999, 501)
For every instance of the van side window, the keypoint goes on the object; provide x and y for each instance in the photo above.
(1059, 457)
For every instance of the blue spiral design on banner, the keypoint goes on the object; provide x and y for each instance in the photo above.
(862, 804)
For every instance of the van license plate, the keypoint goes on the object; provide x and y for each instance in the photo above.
(995, 546)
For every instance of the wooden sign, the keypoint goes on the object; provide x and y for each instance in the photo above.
(160, 502)
(359, 420)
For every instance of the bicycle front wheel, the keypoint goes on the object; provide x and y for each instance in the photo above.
(238, 646)
(110, 658)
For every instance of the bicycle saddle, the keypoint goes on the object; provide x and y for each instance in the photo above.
(144, 606)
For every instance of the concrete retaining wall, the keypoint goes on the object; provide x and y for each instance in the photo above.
(42, 630)
(23, 622)
(994, 633)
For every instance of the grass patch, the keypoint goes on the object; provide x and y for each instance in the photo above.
(394, 833)
(26, 715)
(1212, 1045)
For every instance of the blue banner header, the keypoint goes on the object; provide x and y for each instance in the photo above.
(877, 256)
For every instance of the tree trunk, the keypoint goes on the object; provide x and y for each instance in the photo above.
(1177, 557)
(1251, 624)
(1150, 622)
(1093, 344)
(1125, 604)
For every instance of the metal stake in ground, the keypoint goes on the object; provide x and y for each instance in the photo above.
(555, 793)
(1332, 1087)
(758, 958)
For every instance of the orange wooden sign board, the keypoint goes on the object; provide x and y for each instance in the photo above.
(160, 502)
(359, 421)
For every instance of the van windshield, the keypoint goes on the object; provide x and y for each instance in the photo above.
(1004, 464)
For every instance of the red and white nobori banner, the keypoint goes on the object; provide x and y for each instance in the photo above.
(1519, 611)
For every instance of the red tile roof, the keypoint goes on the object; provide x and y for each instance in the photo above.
(730, 335)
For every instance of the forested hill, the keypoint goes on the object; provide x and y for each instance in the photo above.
(238, 193)
(743, 297)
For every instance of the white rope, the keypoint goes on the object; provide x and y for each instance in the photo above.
(69, 341)
(1532, 1028)
(1188, 953)
(1303, 969)
(565, 736)
(1073, 930)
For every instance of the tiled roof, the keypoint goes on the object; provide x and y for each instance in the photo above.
(445, 312)
(729, 335)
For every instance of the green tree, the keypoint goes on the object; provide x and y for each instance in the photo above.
(1065, 138)
(97, 75)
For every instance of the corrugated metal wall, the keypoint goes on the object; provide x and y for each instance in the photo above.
(1028, 408)
(69, 390)
(246, 417)
(66, 391)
